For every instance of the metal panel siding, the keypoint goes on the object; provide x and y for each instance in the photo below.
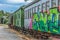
(47, 23)
(26, 23)
(39, 22)
(55, 28)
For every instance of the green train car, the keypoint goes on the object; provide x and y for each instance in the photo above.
(16, 20)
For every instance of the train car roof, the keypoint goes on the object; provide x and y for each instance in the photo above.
(19, 8)
(31, 3)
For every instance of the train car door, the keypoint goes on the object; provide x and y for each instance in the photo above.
(12, 20)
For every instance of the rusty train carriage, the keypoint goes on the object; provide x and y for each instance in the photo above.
(38, 17)
(18, 18)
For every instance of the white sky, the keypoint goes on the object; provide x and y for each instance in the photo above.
(17, 1)
(8, 5)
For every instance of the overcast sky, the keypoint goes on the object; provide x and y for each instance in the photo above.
(11, 5)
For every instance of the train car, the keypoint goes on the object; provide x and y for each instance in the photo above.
(29, 10)
(10, 21)
(47, 22)
(38, 18)
(42, 16)
(16, 19)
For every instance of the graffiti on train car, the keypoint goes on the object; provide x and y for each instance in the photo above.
(39, 22)
(46, 22)
(30, 25)
(35, 22)
(53, 22)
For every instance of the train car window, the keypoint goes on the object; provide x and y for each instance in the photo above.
(54, 3)
(39, 8)
(28, 13)
(58, 2)
(47, 5)
(44, 7)
(34, 9)
(31, 12)
(25, 14)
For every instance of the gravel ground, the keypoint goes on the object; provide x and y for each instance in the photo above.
(7, 34)
(10, 34)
